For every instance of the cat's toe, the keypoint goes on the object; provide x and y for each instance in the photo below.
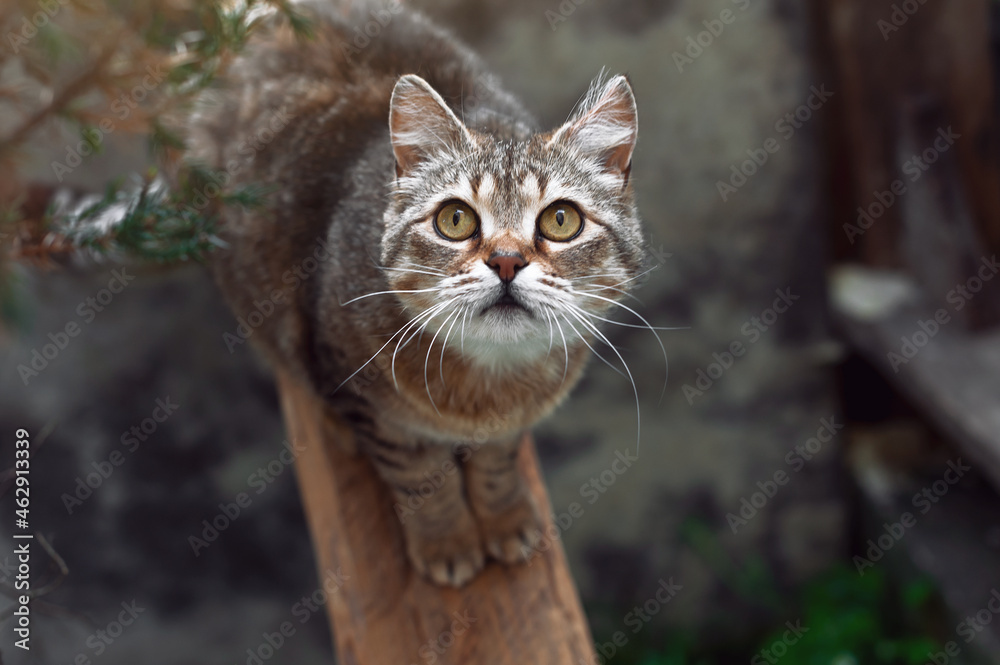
(511, 536)
(450, 561)
(458, 571)
(513, 548)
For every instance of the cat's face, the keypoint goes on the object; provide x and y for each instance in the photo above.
(507, 248)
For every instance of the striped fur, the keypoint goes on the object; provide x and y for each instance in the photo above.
(432, 373)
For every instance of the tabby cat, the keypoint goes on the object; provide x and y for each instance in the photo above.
(429, 262)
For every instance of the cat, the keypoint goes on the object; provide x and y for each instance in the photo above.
(431, 263)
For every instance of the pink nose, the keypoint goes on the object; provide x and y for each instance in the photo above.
(506, 265)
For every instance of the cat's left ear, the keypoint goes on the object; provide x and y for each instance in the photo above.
(421, 124)
(605, 127)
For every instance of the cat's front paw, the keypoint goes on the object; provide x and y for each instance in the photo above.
(450, 559)
(511, 535)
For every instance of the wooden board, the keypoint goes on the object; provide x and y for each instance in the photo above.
(953, 379)
(904, 74)
(383, 613)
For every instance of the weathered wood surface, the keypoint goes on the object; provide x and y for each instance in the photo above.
(903, 74)
(384, 614)
(953, 376)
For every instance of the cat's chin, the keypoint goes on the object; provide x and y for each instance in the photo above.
(504, 336)
(506, 323)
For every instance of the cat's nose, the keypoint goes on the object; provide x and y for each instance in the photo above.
(506, 265)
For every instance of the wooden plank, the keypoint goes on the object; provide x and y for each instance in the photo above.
(864, 71)
(384, 612)
(940, 241)
(953, 376)
(904, 73)
(971, 93)
(951, 217)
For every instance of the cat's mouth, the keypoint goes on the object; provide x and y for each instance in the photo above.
(506, 303)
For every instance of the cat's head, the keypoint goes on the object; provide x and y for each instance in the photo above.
(510, 246)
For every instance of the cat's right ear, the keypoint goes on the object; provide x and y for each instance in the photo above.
(605, 126)
(421, 124)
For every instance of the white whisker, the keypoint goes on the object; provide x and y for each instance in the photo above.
(625, 281)
(592, 349)
(648, 325)
(427, 360)
(411, 264)
(382, 293)
(612, 287)
(444, 344)
(382, 348)
(430, 269)
(464, 317)
(596, 275)
(628, 325)
(416, 272)
(427, 316)
(565, 348)
(551, 333)
(594, 288)
(635, 390)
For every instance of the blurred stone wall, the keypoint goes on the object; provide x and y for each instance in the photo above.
(739, 271)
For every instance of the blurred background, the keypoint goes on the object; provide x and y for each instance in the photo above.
(819, 182)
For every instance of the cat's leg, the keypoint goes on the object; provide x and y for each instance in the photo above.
(441, 536)
(508, 519)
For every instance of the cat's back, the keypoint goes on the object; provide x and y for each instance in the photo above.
(326, 96)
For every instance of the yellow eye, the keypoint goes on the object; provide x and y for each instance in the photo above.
(456, 221)
(560, 222)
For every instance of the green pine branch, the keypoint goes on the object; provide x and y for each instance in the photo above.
(192, 47)
(153, 223)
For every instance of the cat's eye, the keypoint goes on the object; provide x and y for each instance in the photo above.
(456, 221)
(560, 222)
